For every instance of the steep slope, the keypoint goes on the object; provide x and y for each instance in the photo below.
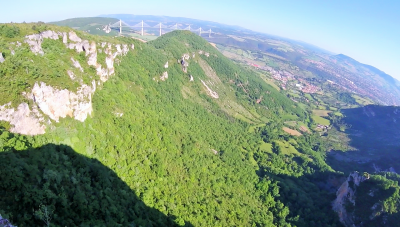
(31, 72)
(189, 149)
(369, 200)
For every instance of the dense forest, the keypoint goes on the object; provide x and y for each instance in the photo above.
(164, 153)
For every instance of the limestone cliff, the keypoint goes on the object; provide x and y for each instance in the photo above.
(49, 103)
(1, 58)
(346, 194)
(61, 103)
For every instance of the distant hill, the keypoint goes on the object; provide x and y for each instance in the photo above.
(92, 25)
(367, 81)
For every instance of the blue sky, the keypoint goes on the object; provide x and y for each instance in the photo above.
(366, 30)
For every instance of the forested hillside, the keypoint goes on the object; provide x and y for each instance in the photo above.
(177, 135)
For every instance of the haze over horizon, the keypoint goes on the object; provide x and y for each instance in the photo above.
(363, 30)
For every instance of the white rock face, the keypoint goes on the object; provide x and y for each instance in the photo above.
(23, 120)
(164, 76)
(61, 103)
(57, 103)
(77, 43)
(1, 58)
(125, 49)
(119, 50)
(347, 194)
(92, 55)
(166, 65)
(191, 78)
(49, 35)
(185, 57)
(35, 40)
(76, 64)
(74, 38)
(210, 92)
(110, 64)
(71, 75)
(65, 38)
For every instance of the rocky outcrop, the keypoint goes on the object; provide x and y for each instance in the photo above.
(125, 49)
(71, 75)
(166, 65)
(92, 52)
(205, 53)
(185, 65)
(105, 73)
(49, 35)
(51, 103)
(185, 57)
(346, 194)
(54, 103)
(209, 91)
(35, 40)
(65, 38)
(164, 76)
(191, 78)
(1, 58)
(76, 64)
(73, 37)
(61, 103)
(23, 120)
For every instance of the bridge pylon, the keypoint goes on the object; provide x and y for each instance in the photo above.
(120, 27)
(142, 27)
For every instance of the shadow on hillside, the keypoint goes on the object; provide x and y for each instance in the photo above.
(309, 197)
(77, 190)
(374, 131)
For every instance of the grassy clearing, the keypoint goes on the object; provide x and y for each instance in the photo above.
(243, 118)
(287, 148)
(362, 101)
(267, 147)
(291, 123)
(320, 120)
(321, 113)
(252, 128)
(289, 117)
